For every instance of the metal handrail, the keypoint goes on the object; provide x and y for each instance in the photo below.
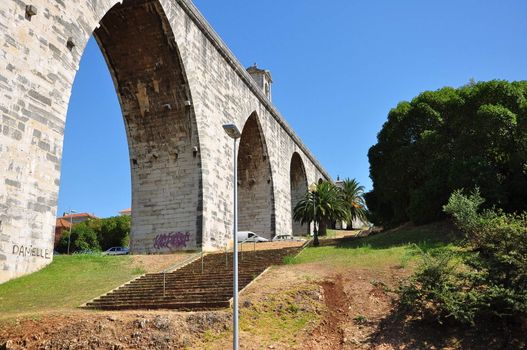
(245, 241)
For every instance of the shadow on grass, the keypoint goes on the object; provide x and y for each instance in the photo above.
(398, 330)
(427, 237)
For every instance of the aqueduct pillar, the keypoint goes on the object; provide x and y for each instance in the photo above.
(177, 84)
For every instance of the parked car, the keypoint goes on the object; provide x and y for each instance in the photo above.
(117, 251)
(249, 236)
(286, 238)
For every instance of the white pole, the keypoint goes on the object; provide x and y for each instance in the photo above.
(71, 225)
(235, 255)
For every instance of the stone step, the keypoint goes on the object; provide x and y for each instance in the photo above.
(153, 289)
(202, 286)
(224, 295)
(190, 306)
(215, 273)
(184, 282)
(188, 288)
(189, 279)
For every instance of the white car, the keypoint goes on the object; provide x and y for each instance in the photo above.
(117, 251)
(249, 236)
(286, 238)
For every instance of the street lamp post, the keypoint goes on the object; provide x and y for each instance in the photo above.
(235, 134)
(71, 225)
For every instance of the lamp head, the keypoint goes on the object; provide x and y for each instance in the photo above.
(232, 130)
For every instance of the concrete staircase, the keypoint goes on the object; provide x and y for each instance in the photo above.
(188, 288)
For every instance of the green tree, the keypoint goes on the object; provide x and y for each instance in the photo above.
(353, 195)
(114, 231)
(322, 204)
(83, 237)
(472, 136)
(98, 234)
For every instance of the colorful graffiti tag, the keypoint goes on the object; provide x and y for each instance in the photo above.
(172, 240)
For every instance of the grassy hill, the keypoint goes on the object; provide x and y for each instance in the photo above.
(66, 283)
(392, 247)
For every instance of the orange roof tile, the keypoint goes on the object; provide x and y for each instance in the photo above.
(78, 215)
(62, 223)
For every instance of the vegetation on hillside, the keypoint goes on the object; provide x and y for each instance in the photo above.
(389, 248)
(473, 136)
(66, 283)
(487, 280)
(353, 194)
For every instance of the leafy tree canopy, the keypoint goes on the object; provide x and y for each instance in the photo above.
(473, 136)
(322, 204)
(97, 234)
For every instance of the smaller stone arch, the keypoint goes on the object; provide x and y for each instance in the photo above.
(320, 180)
(255, 182)
(298, 186)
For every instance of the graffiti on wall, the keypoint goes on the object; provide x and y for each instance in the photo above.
(171, 240)
(25, 251)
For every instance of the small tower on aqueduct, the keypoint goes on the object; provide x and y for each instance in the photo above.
(263, 79)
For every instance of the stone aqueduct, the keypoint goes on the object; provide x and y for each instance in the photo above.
(177, 84)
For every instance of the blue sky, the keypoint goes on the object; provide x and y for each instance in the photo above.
(338, 68)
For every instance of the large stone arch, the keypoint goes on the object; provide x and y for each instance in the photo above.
(255, 182)
(298, 184)
(137, 41)
(139, 47)
(40, 52)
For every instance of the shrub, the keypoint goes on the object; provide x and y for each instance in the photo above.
(114, 231)
(97, 234)
(464, 209)
(488, 279)
(434, 290)
(83, 237)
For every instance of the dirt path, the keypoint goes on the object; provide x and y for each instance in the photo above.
(330, 333)
(355, 303)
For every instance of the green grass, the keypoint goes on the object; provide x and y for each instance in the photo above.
(277, 318)
(66, 283)
(386, 248)
(330, 233)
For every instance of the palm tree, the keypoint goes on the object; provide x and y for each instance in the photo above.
(322, 204)
(353, 194)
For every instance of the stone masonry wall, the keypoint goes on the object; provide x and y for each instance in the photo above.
(160, 123)
(177, 83)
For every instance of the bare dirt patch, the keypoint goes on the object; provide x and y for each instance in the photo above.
(355, 302)
(116, 330)
(157, 263)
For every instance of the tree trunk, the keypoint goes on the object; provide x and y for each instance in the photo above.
(316, 242)
(322, 228)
